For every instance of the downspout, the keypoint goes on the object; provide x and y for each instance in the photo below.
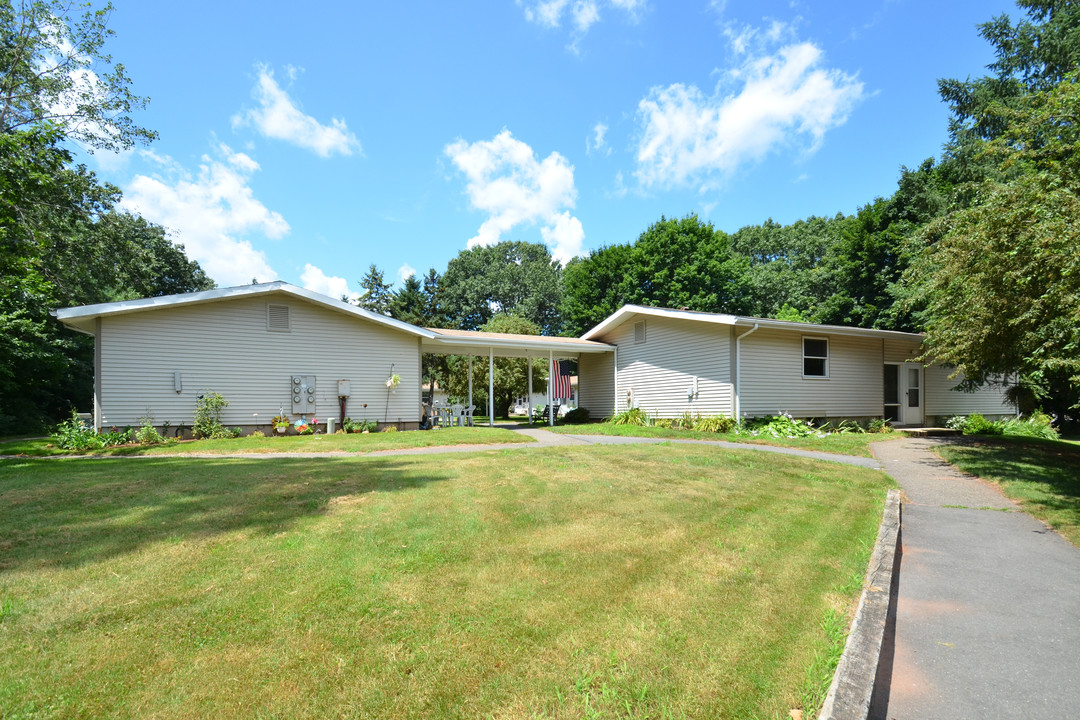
(615, 400)
(738, 371)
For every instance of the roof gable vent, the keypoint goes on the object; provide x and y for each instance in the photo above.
(639, 332)
(277, 318)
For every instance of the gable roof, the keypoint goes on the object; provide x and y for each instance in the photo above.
(81, 318)
(627, 312)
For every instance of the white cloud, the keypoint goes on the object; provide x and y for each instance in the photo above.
(770, 101)
(506, 181)
(210, 212)
(405, 272)
(598, 142)
(582, 14)
(278, 117)
(315, 279)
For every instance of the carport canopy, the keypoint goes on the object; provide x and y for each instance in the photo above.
(493, 345)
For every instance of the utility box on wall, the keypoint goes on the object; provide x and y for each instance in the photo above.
(344, 388)
(303, 394)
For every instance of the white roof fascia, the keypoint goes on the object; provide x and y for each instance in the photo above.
(622, 313)
(550, 343)
(71, 316)
(827, 329)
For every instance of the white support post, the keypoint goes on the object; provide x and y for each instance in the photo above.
(551, 400)
(491, 387)
(470, 382)
(528, 394)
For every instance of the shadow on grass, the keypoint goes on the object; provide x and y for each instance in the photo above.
(68, 512)
(1041, 473)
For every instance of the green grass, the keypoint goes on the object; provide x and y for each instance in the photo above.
(841, 444)
(1043, 476)
(559, 583)
(354, 443)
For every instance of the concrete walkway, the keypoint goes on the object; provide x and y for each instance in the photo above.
(988, 613)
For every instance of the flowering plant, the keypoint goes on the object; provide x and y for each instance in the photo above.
(280, 421)
(393, 381)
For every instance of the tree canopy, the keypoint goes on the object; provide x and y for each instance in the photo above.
(62, 240)
(54, 71)
(1000, 278)
(510, 277)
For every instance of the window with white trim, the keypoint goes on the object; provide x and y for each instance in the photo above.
(815, 362)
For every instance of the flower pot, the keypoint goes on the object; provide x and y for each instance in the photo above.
(280, 430)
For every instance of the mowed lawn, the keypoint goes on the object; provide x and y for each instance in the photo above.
(857, 444)
(350, 443)
(645, 581)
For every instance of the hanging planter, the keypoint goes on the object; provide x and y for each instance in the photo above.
(393, 381)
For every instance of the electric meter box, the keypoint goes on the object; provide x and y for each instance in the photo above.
(302, 389)
(344, 388)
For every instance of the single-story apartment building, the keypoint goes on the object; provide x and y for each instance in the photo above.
(274, 347)
(270, 348)
(669, 362)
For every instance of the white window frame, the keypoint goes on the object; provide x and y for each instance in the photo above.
(805, 357)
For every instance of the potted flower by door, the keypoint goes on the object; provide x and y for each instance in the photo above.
(280, 424)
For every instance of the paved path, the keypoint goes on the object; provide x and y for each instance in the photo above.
(988, 615)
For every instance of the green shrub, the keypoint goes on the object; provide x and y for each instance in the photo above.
(715, 424)
(1038, 425)
(390, 428)
(208, 410)
(577, 416)
(684, 422)
(879, 425)
(74, 434)
(147, 434)
(665, 423)
(778, 426)
(974, 424)
(633, 416)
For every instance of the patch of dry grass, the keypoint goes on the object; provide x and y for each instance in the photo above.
(579, 582)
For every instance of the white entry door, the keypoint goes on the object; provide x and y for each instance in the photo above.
(912, 397)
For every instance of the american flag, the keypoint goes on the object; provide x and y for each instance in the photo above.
(560, 380)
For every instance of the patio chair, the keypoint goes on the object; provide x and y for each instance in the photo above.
(468, 415)
(457, 414)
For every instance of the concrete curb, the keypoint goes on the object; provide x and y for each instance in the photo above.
(852, 694)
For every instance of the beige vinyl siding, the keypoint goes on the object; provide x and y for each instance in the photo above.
(942, 400)
(596, 384)
(773, 382)
(660, 371)
(898, 351)
(225, 346)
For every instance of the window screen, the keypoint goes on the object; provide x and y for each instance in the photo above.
(815, 357)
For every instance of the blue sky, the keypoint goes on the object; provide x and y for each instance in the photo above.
(306, 144)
